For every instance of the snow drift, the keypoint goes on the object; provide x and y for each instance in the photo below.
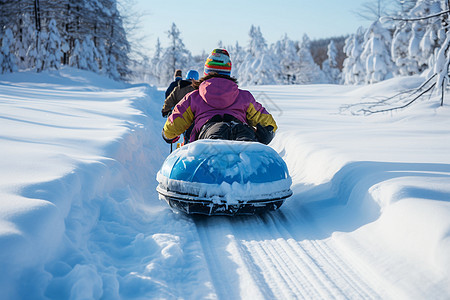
(80, 217)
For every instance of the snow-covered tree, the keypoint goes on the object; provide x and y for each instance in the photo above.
(54, 46)
(309, 72)
(354, 71)
(257, 41)
(173, 57)
(88, 55)
(329, 66)
(76, 58)
(237, 56)
(91, 54)
(437, 79)
(8, 61)
(405, 64)
(427, 33)
(85, 55)
(349, 60)
(19, 48)
(102, 59)
(113, 68)
(156, 62)
(74, 20)
(119, 47)
(26, 48)
(376, 54)
(441, 67)
(258, 66)
(263, 69)
(285, 51)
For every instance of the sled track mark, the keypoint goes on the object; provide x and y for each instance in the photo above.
(267, 257)
(348, 283)
(233, 272)
(353, 284)
(289, 270)
(212, 249)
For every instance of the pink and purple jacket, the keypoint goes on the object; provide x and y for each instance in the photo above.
(215, 96)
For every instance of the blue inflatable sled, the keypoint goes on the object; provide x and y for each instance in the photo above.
(217, 177)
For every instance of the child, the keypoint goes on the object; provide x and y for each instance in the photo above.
(219, 109)
(183, 87)
(174, 83)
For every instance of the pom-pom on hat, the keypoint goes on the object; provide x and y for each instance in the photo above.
(219, 62)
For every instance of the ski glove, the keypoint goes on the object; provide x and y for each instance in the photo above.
(170, 141)
(165, 113)
(264, 134)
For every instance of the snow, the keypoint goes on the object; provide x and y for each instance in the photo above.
(80, 217)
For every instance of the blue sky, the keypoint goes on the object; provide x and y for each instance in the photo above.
(204, 23)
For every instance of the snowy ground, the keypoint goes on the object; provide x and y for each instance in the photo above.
(80, 217)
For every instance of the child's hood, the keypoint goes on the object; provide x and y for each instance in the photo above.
(219, 92)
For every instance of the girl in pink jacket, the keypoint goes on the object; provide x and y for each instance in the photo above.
(219, 109)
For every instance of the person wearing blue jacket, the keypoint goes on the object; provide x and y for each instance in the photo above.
(177, 76)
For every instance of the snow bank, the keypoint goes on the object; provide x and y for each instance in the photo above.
(378, 186)
(78, 158)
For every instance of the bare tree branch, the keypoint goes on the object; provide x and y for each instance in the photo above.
(416, 19)
(368, 111)
(394, 102)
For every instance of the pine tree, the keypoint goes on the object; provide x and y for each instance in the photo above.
(441, 67)
(358, 72)
(309, 72)
(76, 58)
(257, 41)
(85, 55)
(405, 65)
(237, 55)
(53, 46)
(26, 51)
(175, 56)
(156, 62)
(113, 69)
(8, 62)
(376, 54)
(427, 33)
(258, 66)
(75, 20)
(329, 66)
(285, 51)
(103, 59)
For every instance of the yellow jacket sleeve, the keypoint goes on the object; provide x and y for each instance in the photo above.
(180, 119)
(257, 114)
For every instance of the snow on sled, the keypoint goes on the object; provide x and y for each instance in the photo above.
(217, 177)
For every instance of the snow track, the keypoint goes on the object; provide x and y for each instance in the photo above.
(266, 257)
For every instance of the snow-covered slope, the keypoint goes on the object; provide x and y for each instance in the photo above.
(80, 217)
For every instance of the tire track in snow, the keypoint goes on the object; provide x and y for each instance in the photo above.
(265, 257)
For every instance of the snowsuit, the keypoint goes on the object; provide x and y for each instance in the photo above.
(219, 100)
(183, 87)
(172, 85)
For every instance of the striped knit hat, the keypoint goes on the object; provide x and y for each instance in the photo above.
(219, 62)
